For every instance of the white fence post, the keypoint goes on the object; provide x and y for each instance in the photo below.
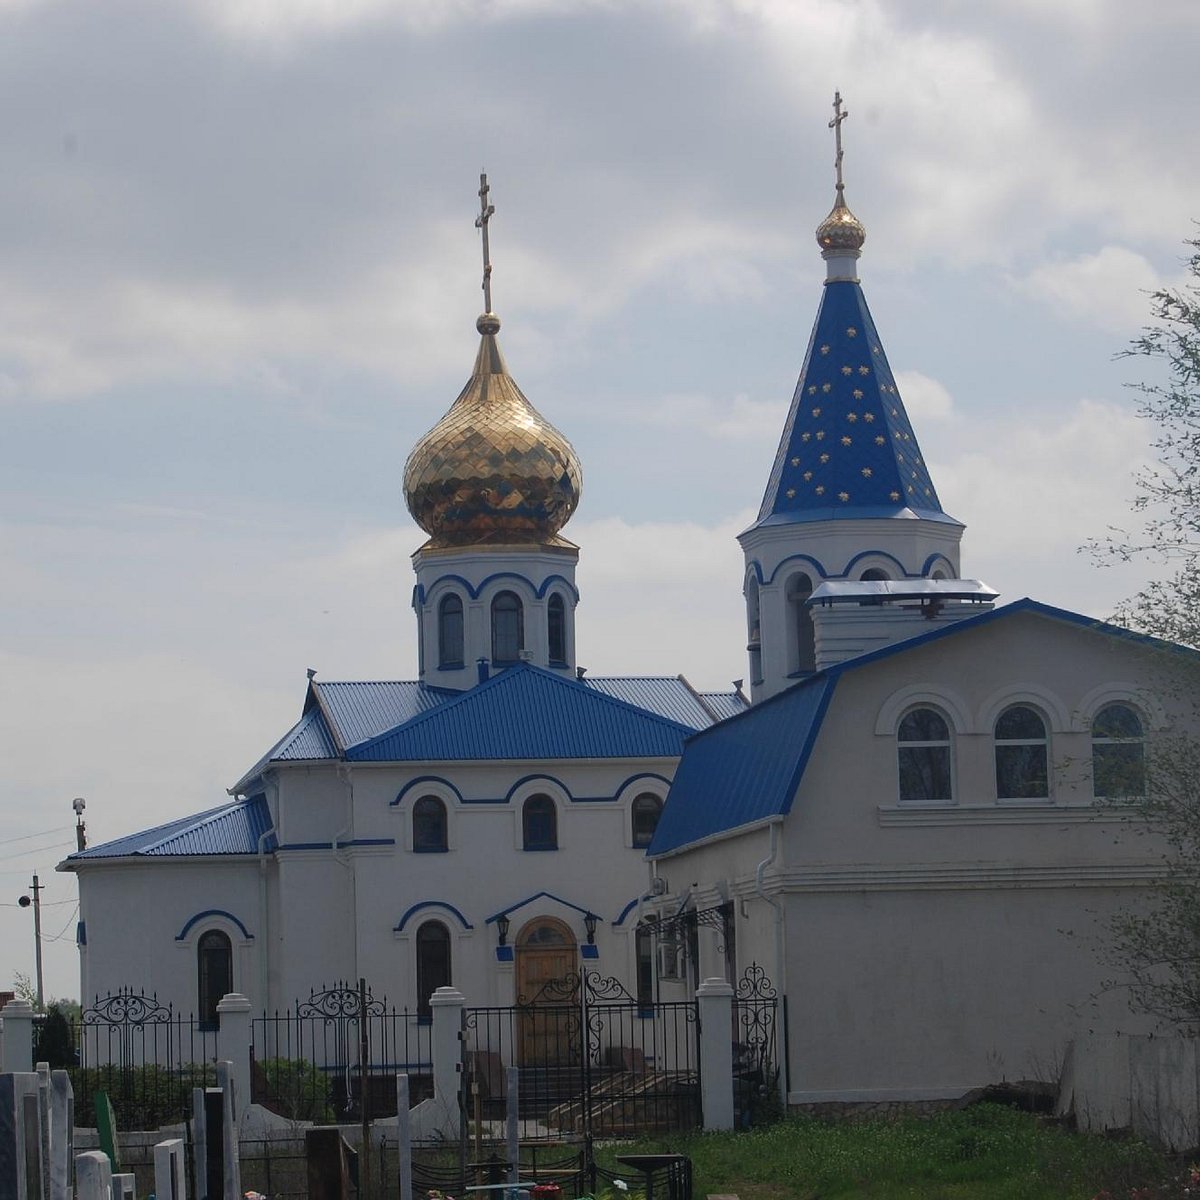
(715, 998)
(18, 1036)
(233, 1047)
(447, 1004)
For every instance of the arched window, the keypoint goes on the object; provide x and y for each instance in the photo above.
(214, 974)
(923, 753)
(450, 631)
(1118, 753)
(753, 630)
(647, 808)
(508, 628)
(802, 652)
(1021, 755)
(556, 621)
(433, 964)
(429, 825)
(539, 824)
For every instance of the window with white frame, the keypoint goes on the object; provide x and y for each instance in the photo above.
(1022, 755)
(1118, 753)
(924, 757)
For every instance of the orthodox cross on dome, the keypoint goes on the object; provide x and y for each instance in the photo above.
(481, 222)
(836, 125)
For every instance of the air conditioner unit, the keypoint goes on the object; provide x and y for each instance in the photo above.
(658, 886)
(525, 655)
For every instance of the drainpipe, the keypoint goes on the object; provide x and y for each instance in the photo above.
(263, 908)
(342, 835)
(780, 962)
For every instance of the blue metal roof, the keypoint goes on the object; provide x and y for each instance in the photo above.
(848, 449)
(726, 704)
(308, 738)
(233, 828)
(748, 769)
(744, 770)
(670, 696)
(530, 714)
(363, 710)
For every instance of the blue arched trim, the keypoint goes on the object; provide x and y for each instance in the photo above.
(213, 912)
(529, 779)
(877, 554)
(512, 908)
(441, 904)
(421, 779)
(797, 558)
(630, 907)
(934, 560)
(476, 592)
(641, 775)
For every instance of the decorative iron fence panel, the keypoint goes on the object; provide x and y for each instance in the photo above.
(313, 1061)
(755, 1045)
(592, 1061)
(144, 1056)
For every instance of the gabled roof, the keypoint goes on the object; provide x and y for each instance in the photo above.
(525, 712)
(848, 448)
(339, 716)
(231, 829)
(748, 769)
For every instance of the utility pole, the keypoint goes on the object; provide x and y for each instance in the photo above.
(24, 902)
(79, 804)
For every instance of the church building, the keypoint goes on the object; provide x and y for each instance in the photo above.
(911, 828)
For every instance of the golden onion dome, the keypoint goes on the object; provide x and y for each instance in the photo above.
(493, 469)
(841, 231)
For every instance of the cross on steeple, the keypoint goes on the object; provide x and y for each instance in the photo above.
(836, 126)
(481, 222)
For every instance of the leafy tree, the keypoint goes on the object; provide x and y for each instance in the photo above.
(1159, 946)
(1168, 493)
(55, 1044)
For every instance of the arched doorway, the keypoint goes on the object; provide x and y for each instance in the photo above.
(547, 984)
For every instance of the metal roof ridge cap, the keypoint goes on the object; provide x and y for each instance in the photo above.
(704, 704)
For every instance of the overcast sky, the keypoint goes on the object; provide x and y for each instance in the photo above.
(239, 278)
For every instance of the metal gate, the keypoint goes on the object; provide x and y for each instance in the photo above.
(593, 1061)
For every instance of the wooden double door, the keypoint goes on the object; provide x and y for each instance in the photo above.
(548, 990)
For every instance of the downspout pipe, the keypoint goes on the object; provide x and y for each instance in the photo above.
(335, 847)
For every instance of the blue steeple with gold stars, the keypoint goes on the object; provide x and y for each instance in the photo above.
(848, 448)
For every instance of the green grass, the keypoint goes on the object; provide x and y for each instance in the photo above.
(981, 1153)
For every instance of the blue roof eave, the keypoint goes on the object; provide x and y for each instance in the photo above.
(863, 513)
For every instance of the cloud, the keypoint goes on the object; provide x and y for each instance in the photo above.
(925, 399)
(1108, 289)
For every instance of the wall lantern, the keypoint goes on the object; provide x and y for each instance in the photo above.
(502, 924)
(589, 923)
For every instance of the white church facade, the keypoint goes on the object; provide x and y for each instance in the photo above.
(908, 824)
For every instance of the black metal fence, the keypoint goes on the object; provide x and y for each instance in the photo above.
(318, 1060)
(144, 1056)
(592, 1061)
(755, 1047)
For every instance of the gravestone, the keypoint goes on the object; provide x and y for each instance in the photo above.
(332, 1165)
(93, 1176)
(43, 1074)
(170, 1179)
(211, 1168)
(232, 1181)
(403, 1137)
(62, 1135)
(199, 1145)
(22, 1167)
(124, 1186)
(106, 1130)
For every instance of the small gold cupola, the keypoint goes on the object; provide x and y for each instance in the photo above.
(493, 470)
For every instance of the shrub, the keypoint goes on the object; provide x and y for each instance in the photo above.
(294, 1088)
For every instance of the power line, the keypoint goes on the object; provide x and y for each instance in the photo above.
(35, 850)
(59, 935)
(27, 836)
